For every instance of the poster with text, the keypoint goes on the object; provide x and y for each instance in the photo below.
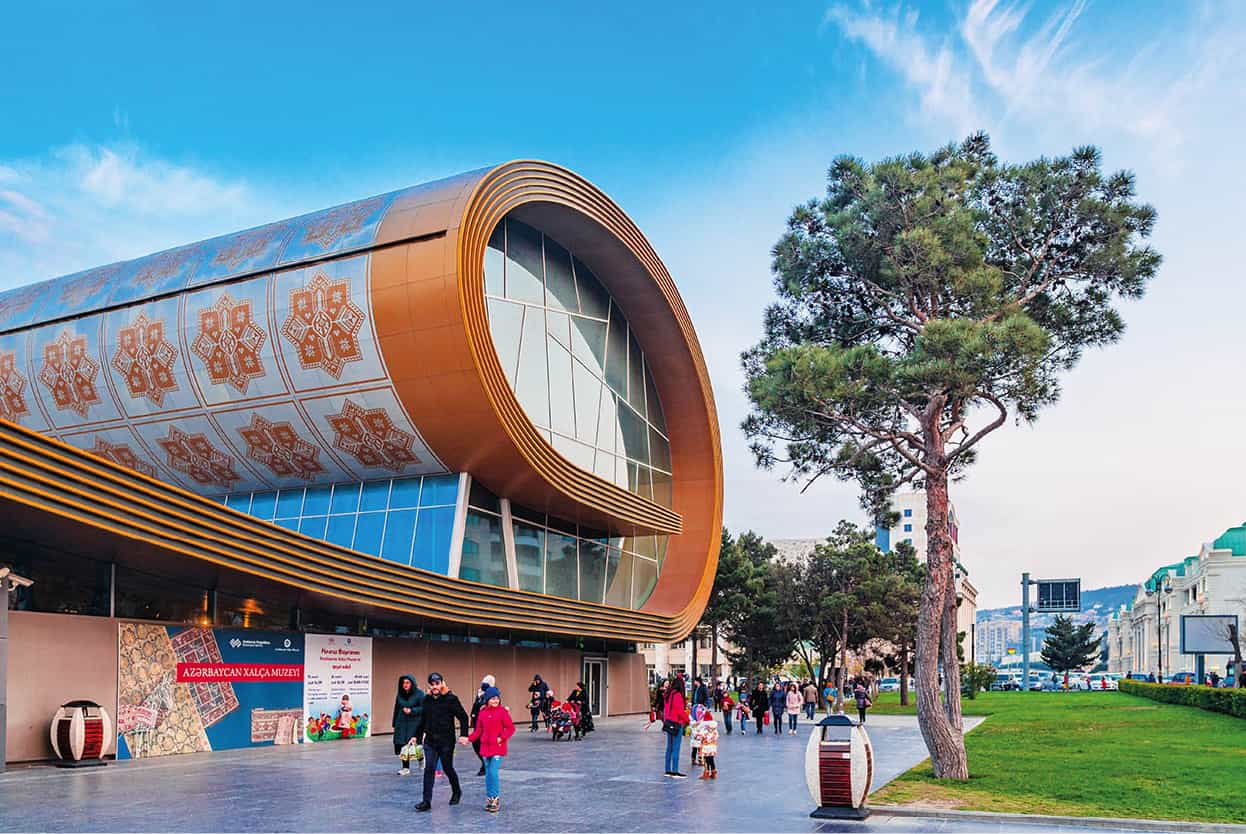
(337, 687)
(190, 690)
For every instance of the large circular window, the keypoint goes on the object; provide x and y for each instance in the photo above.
(573, 362)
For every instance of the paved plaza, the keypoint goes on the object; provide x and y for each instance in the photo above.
(612, 781)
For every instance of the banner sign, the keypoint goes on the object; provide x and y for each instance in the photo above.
(190, 690)
(337, 687)
(1207, 633)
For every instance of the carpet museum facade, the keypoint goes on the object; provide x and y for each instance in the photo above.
(464, 427)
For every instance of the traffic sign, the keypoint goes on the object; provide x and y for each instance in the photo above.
(1059, 595)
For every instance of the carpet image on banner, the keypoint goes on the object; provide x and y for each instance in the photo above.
(188, 690)
(337, 687)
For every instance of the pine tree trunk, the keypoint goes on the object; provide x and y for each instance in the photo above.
(950, 660)
(943, 739)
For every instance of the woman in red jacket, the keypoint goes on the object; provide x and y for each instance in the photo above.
(493, 728)
(674, 719)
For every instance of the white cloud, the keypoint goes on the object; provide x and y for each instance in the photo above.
(82, 205)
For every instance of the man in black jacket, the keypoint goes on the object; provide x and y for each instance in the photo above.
(441, 710)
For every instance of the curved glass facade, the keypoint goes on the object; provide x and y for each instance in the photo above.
(573, 361)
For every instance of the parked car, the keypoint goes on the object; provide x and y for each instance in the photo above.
(1004, 683)
(1182, 679)
(889, 685)
(1102, 682)
(1036, 682)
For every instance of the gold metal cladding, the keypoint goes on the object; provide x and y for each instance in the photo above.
(66, 483)
(666, 334)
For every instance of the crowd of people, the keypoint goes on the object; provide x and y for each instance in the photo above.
(429, 724)
(688, 710)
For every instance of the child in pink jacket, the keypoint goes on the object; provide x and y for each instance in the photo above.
(493, 727)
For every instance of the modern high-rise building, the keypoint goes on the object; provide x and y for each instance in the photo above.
(469, 419)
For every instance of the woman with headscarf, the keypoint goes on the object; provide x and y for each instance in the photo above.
(538, 697)
(486, 683)
(408, 710)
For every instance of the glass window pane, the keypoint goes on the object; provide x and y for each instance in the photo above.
(639, 480)
(635, 375)
(399, 530)
(594, 301)
(368, 533)
(432, 540)
(523, 263)
(288, 523)
(603, 466)
(635, 434)
(587, 402)
(619, 578)
(616, 352)
(290, 503)
(561, 399)
(535, 516)
(588, 344)
(532, 381)
(592, 570)
(440, 490)
(607, 423)
(345, 499)
(660, 543)
(263, 504)
(659, 451)
(240, 501)
(341, 530)
(529, 552)
(559, 285)
(558, 326)
(495, 257)
(404, 494)
(654, 414)
(484, 554)
(313, 525)
(375, 496)
(578, 453)
(561, 565)
(644, 579)
(483, 499)
(662, 488)
(317, 501)
(505, 326)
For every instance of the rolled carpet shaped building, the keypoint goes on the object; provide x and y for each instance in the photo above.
(476, 402)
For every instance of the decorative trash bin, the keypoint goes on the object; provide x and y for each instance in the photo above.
(81, 734)
(839, 768)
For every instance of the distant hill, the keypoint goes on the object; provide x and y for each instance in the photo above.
(1099, 601)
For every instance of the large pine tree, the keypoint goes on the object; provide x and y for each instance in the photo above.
(1069, 646)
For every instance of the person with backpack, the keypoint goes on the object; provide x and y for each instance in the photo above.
(493, 727)
(408, 710)
(674, 719)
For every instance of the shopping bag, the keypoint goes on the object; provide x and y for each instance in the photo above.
(765, 718)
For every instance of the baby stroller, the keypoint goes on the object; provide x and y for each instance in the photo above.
(564, 720)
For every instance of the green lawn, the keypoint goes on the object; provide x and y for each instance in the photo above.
(1088, 754)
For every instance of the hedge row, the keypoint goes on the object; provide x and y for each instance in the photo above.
(1229, 701)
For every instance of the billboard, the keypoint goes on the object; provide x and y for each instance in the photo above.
(1059, 595)
(337, 687)
(188, 690)
(1207, 633)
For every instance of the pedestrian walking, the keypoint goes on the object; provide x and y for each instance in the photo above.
(728, 704)
(694, 734)
(493, 727)
(659, 701)
(778, 706)
(863, 700)
(700, 692)
(442, 710)
(795, 702)
(408, 710)
(674, 719)
(758, 703)
(485, 683)
(538, 695)
(811, 699)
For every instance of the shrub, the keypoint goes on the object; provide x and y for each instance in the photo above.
(1228, 701)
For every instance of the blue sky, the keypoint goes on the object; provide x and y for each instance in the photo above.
(127, 128)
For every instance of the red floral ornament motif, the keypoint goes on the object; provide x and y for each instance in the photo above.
(123, 455)
(371, 437)
(159, 267)
(145, 359)
(85, 286)
(193, 455)
(17, 302)
(340, 222)
(229, 343)
(12, 384)
(324, 325)
(243, 247)
(279, 447)
(69, 373)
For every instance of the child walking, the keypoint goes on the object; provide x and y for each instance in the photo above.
(698, 712)
(708, 729)
(493, 727)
